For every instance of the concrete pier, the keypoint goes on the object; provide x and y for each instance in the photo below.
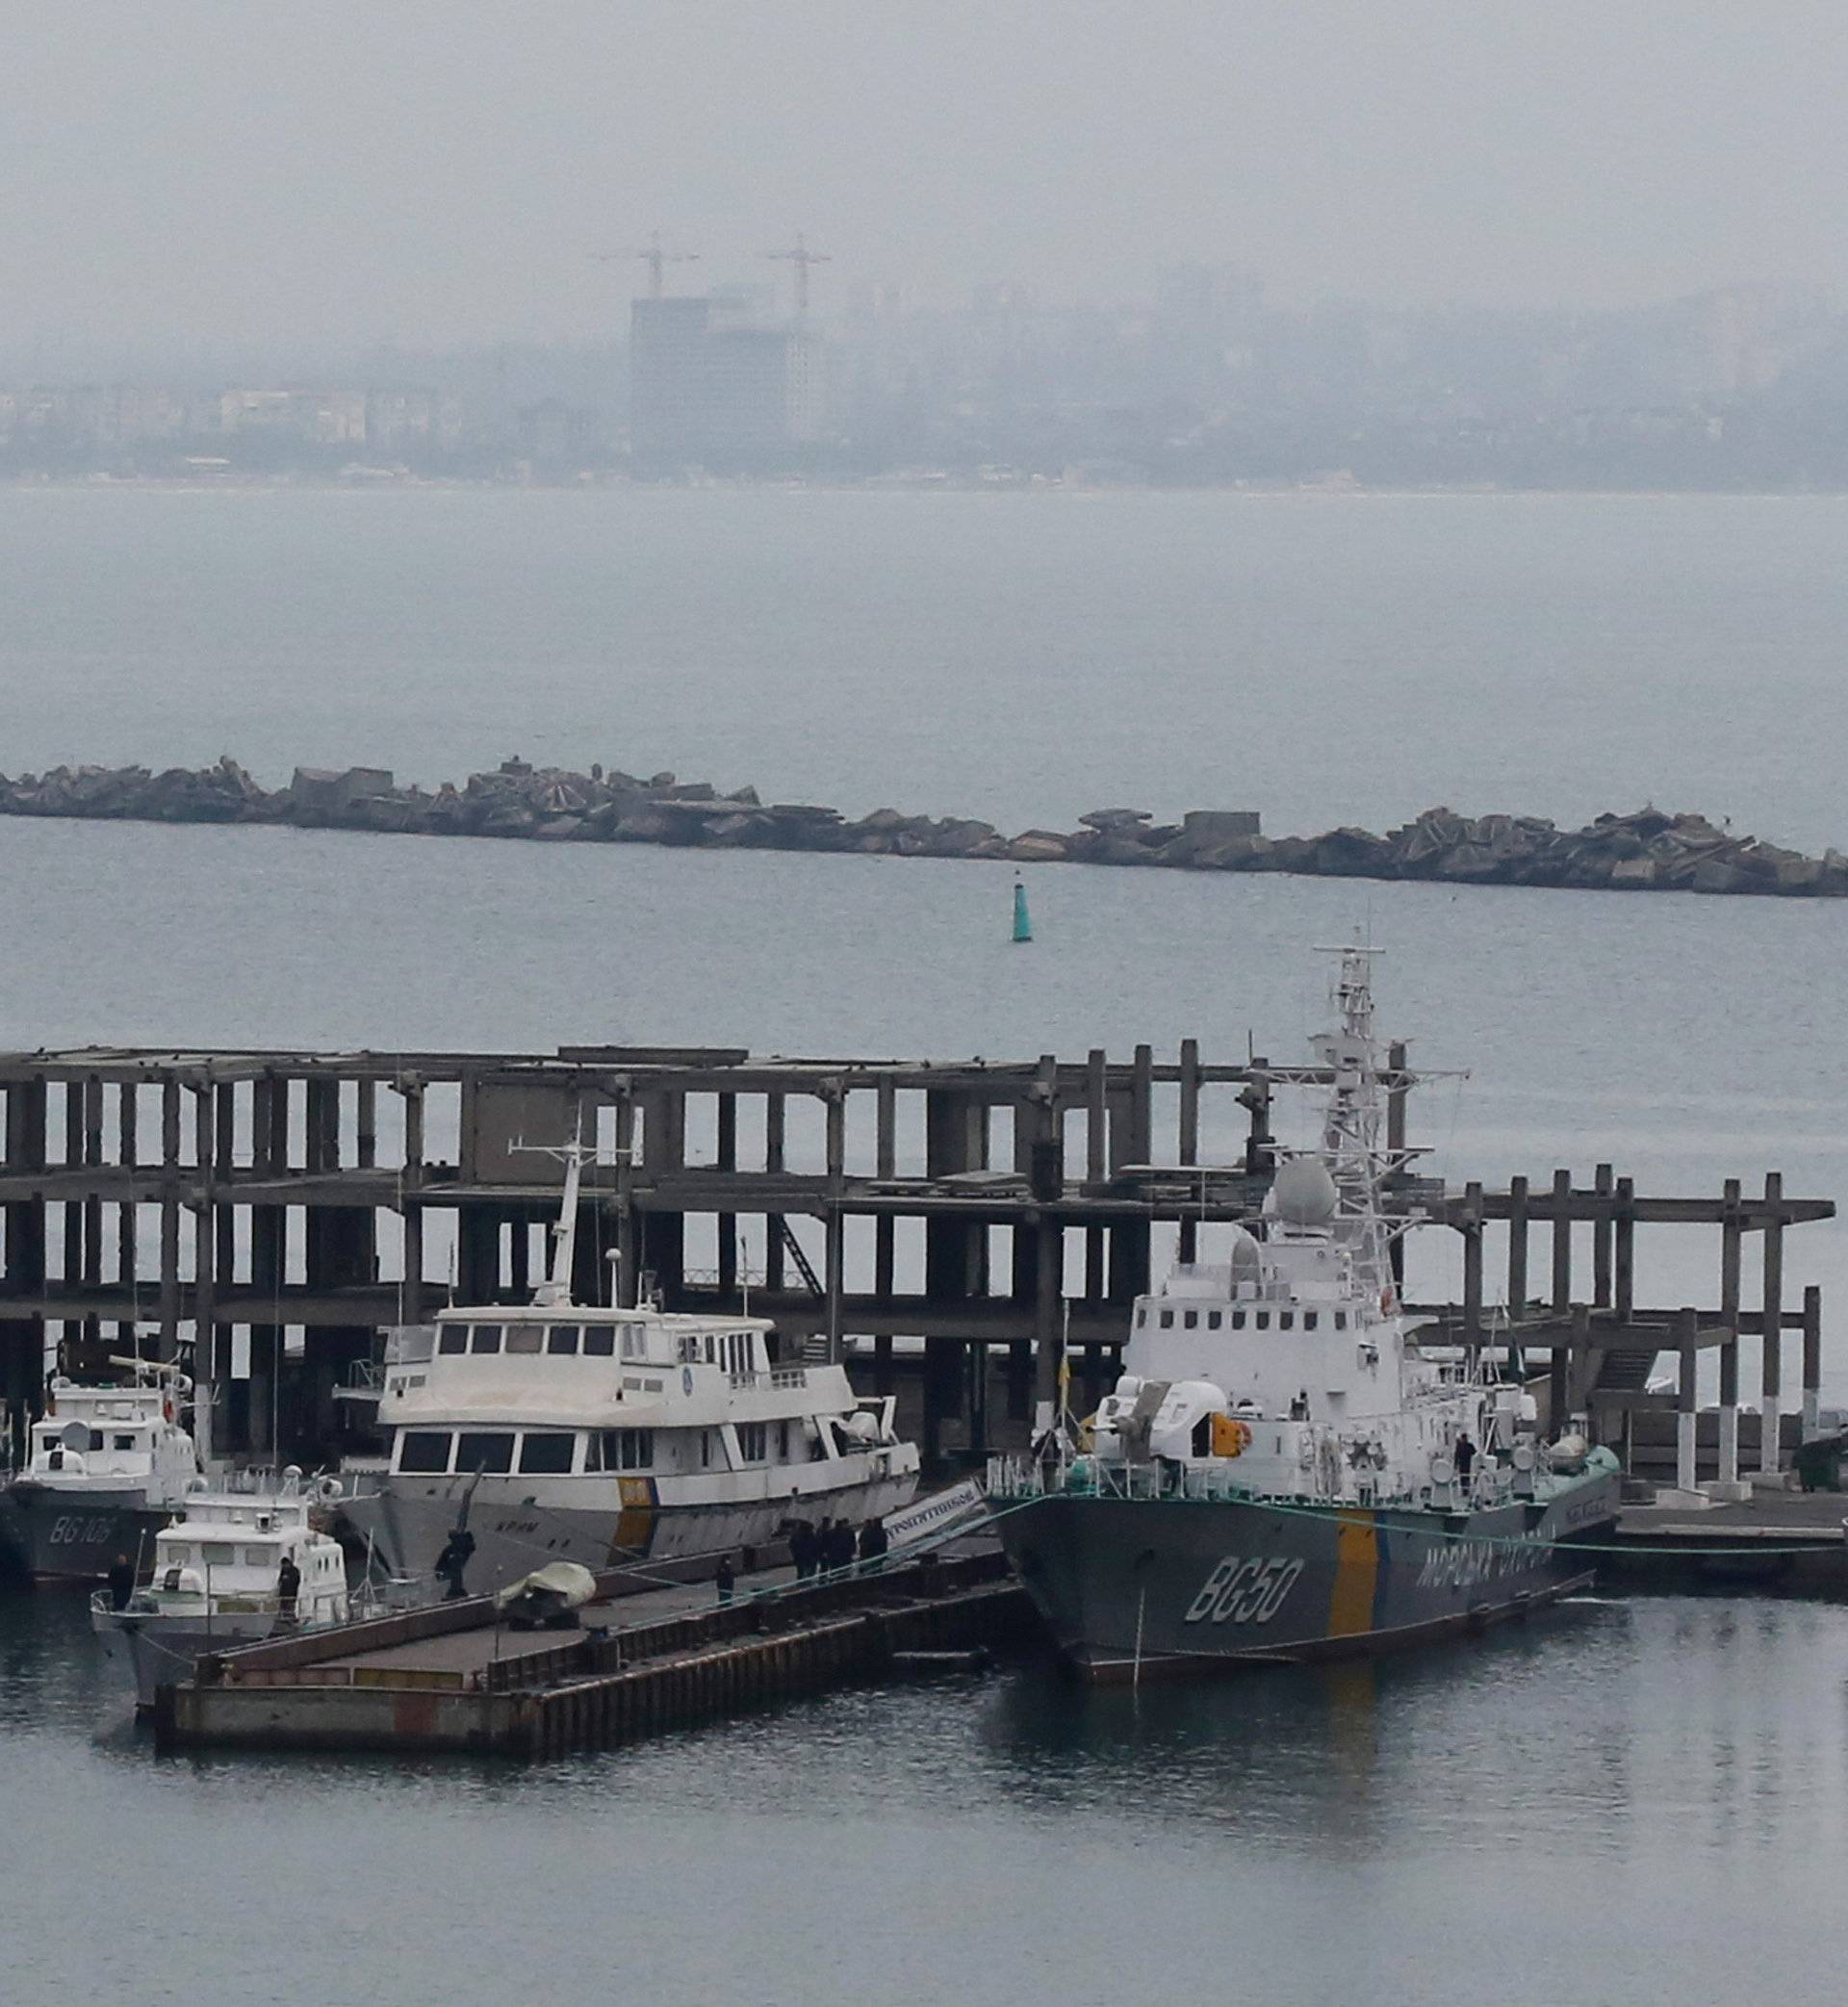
(943, 1225)
(451, 1679)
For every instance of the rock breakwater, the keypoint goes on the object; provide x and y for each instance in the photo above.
(1648, 851)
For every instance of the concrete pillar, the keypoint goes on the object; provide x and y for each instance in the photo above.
(1096, 1164)
(1770, 1451)
(1624, 1250)
(663, 1155)
(1131, 1142)
(1561, 1242)
(628, 1278)
(171, 1173)
(206, 1376)
(1473, 1264)
(774, 1132)
(727, 1225)
(22, 1340)
(93, 1225)
(834, 1245)
(1731, 1249)
(1602, 1224)
(1811, 1361)
(886, 1167)
(1189, 1151)
(127, 1248)
(1517, 1248)
(410, 1189)
(1686, 1413)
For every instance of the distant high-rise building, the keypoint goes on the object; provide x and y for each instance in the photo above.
(703, 392)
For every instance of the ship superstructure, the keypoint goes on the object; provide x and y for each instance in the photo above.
(1281, 1472)
(106, 1466)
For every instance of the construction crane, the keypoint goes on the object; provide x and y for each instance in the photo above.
(802, 258)
(653, 257)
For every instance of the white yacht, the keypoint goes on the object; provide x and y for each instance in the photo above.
(605, 1435)
(215, 1582)
(106, 1466)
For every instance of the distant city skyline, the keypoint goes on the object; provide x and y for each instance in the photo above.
(419, 176)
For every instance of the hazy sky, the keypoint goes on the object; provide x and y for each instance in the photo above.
(437, 170)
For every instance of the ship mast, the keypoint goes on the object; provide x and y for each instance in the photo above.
(1353, 1117)
(555, 1291)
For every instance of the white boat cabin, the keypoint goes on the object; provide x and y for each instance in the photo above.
(568, 1391)
(111, 1438)
(224, 1559)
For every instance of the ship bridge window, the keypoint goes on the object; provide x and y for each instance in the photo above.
(423, 1451)
(485, 1338)
(1341, 1320)
(1285, 1320)
(753, 1442)
(256, 1556)
(629, 1449)
(1191, 1319)
(220, 1554)
(1238, 1319)
(634, 1342)
(599, 1341)
(485, 1449)
(526, 1338)
(452, 1338)
(562, 1340)
(545, 1456)
(1168, 1319)
(1262, 1319)
(122, 1442)
(1309, 1320)
(1214, 1318)
(1141, 1317)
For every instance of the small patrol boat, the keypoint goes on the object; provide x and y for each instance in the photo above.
(217, 1580)
(1281, 1473)
(605, 1434)
(106, 1466)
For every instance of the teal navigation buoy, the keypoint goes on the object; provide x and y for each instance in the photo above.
(1022, 924)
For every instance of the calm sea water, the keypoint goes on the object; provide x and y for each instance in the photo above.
(1629, 1799)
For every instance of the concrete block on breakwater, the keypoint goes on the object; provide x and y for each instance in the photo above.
(1651, 850)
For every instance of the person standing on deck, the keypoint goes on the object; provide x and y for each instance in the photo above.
(288, 1588)
(453, 1561)
(1465, 1457)
(121, 1582)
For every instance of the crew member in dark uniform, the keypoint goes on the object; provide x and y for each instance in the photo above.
(121, 1582)
(288, 1588)
(453, 1561)
(1465, 1457)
